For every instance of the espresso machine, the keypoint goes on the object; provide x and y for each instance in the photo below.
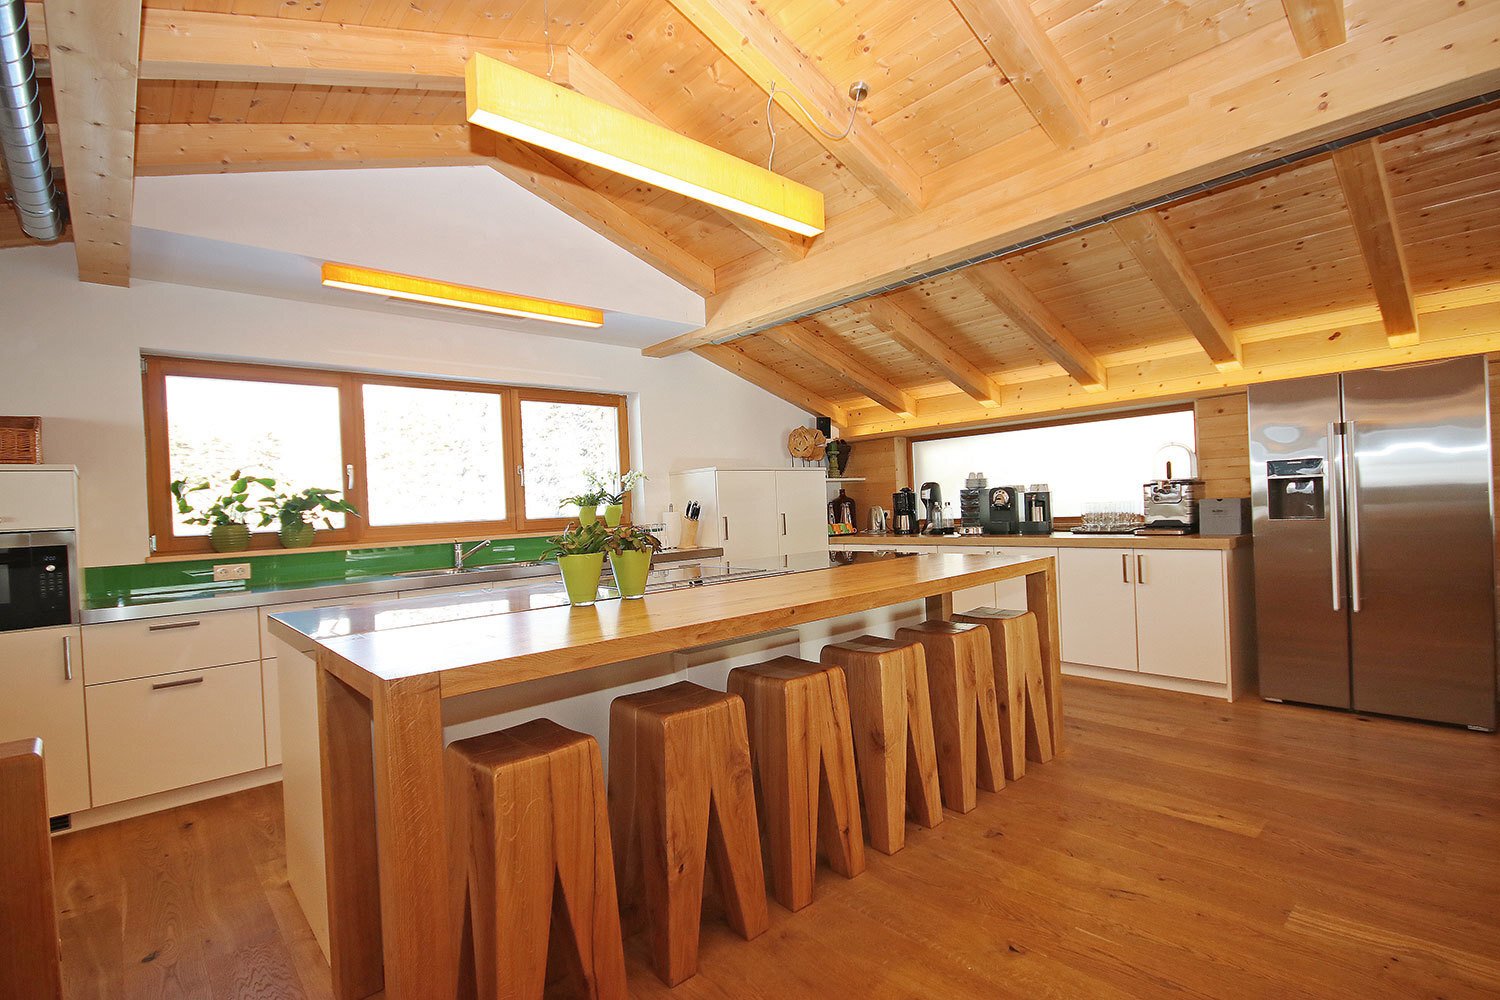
(1171, 506)
(904, 512)
(1004, 514)
(1036, 510)
(974, 504)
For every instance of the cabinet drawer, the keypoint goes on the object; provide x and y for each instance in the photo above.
(158, 733)
(123, 650)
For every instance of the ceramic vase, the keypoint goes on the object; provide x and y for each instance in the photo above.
(229, 537)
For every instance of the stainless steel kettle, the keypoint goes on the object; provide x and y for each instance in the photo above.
(879, 521)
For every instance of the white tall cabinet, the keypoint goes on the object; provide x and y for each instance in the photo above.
(44, 698)
(757, 514)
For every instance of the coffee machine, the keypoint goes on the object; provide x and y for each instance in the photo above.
(974, 504)
(904, 511)
(1036, 510)
(1004, 515)
(1171, 506)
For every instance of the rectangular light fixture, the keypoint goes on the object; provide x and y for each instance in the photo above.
(441, 293)
(513, 102)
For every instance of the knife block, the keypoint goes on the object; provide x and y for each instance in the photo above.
(689, 539)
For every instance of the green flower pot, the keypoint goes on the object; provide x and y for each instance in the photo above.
(612, 514)
(588, 515)
(581, 577)
(630, 569)
(297, 536)
(229, 537)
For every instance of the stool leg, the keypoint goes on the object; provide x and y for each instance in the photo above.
(674, 809)
(841, 832)
(734, 831)
(518, 864)
(953, 723)
(878, 706)
(585, 871)
(1039, 746)
(923, 798)
(786, 769)
(991, 760)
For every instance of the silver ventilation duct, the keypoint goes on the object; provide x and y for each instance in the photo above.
(23, 141)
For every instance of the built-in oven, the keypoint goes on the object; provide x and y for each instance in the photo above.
(39, 579)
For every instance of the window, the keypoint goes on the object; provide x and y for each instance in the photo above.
(1082, 461)
(419, 458)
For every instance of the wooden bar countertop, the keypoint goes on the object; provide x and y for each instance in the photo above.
(1057, 539)
(472, 654)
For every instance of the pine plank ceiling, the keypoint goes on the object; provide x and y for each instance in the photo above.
(989, 123)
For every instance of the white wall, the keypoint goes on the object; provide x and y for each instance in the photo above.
(69, 352)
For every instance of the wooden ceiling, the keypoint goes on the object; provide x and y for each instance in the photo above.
(990, 123)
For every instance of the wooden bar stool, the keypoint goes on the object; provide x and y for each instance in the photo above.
(965, 716)
(804, 769)
(891, 712)
(1016, 651)
(528, 831)
(30, 956)
(682, 793)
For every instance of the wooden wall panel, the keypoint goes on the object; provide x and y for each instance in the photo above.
(885, 468)
(1223, 444)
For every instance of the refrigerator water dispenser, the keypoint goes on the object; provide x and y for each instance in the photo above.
(1294, 489)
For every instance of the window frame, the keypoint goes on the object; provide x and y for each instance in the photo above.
(350, 385)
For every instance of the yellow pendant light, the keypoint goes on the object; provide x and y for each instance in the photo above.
(513, 102)
(441, 293)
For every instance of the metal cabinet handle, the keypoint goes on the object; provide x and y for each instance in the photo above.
(67, 657)
(1124, 567)
(783, 524)
(1352, 461)
(177, 684)
(1335, 529)
(169, 626)
(1140, 568)
(726, 527)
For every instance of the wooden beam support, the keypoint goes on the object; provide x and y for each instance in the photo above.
(1409, 58)
(1005, 292)
(1010, 33)
(1316, 24)
(1155, 250)
(887, 316)
(1367, 192)
(811, 338)
(746, 34)
(95, 51)
(737, 362)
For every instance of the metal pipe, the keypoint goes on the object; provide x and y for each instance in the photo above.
(23, 138)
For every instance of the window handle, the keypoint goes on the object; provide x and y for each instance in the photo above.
(349, 476)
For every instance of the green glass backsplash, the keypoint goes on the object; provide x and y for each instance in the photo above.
(105, 584)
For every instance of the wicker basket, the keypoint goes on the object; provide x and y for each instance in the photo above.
(20, 440)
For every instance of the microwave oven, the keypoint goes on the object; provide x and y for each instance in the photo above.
(39, 579)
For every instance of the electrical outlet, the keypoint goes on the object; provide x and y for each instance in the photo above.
(225, 572)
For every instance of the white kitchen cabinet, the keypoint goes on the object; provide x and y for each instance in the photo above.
(757, 514)
(38, 498)
(43, 698)
(970, 598)
(747, 520)
(802, 505)
(1096, 592)
(1181, 614)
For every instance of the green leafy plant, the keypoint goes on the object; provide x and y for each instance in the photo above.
(307, 507)
(587, 500)
(234, 506)
(578, 540)
(626, 538)
(613, 489)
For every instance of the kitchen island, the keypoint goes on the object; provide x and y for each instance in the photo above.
(385, 675)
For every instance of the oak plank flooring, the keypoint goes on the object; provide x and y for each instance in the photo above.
(1180, 847)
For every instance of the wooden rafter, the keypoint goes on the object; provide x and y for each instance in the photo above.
(1005, 292)
(746, 34)
(1367, 192)
(1157, 252)
(737, 362)
(1316, 24)
(94, 54)
(1010, 33)
(893, 320)
(1433, 56)
(809, 337)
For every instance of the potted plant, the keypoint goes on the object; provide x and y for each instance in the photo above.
(613, 491)
(579, 552)
(630, 551)
(226, 516)
(299, 512)
(587, 503)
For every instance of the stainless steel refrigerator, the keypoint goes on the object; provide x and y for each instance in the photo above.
(1374, 541)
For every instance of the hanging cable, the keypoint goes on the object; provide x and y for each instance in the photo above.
(857, 94)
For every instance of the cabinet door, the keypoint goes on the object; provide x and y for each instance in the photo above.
(1011, 594)
(41, 700)
(31, 500)
(1096, 591)
(748, 527)
(802, 508)
(971, 597)
(1180, 614)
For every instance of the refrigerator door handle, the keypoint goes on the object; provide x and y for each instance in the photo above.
(1351, 462)
(1335, 505)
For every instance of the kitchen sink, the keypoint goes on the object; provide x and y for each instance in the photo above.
(502, 570)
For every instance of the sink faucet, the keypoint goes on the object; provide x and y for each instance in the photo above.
(460, 553)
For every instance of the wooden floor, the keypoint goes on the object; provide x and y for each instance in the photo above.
(1181, 848)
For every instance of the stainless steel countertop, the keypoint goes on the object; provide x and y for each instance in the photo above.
(203, 599)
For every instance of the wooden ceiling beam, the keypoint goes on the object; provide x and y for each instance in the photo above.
(94, 52)
(891, 319)
(737, 362)
(1015, 40)
(1411, 58)
(746, 34)
(1158, 253)
(1003, 290)
(811, 338)
(1316, 24)
(1367, 192)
